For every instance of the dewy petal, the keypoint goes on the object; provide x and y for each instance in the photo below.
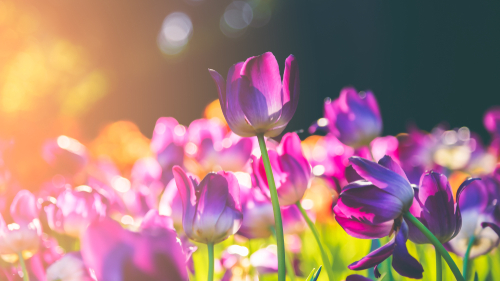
(385, 179)
(260, 93)
(212, 201)
(290, 90)
(402, 262)
(360, 229)
(375, 257)
(24, 207)
(188, 196)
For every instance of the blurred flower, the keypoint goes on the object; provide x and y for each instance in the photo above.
(67, 156)
(492, 120)
(114, 253)
(402, 262)
(354, 118)
(291, 170)
(293, 221)
(373, 208)
(478, 205)
(171, 204)
(22, 236)
(235, 260)
(169, 138)
(74, 210)
(255, 101)
(211, 208)
(435, 208)
(69, 268)
(265, 260)
(214, 148)
(258, 217)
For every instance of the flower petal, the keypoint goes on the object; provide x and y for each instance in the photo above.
(375, 257)
(24, 207)
(360, 229)
(356, 277)
(186, 189)
(458, 214)
(290, 90)
(390, 164)
(493, 226)
(402, 262)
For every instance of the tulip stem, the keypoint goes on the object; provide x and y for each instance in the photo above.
(26, 277)
(288, 261)
(324, 256)
(280, 242)
(439, 247)
(439, 267)
(467, 256)
(210, 261)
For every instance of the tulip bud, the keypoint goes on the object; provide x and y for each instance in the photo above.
(255, 100)
(211, 208)
(291, 170)
(354, 118)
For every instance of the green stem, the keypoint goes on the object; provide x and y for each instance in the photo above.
(324, 256)
(439, 247)
(288, 262)
(210, 261)
(439, 267)
(276, 209)
(26, 277)
(467, 256)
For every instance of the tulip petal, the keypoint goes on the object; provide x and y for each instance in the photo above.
(390, 164)
(385, 179)
(375, 257)
(188, 196)
(356, 277)
(24, 207)
(402, 261)
(292, 146)
(290, 90)
(260, 93)
(154, 221)
(360, 229)
(458, 214)
(493, 226)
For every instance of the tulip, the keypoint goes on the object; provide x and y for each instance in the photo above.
(154, 253)
(290, 169)
(69, 268)
(214, 148)
(74, 210)
(258, 218)
(356, 277)
(254, 100)
(171, 204)
(435, 208)
(265, 260)
(354, 118)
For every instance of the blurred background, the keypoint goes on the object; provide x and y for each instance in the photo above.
(72, 67)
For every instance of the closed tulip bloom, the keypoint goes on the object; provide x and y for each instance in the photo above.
(211, 208)
(74, 210)
(254, 100)
(117, 254)
(23, 235)
(373, 208)
(435, 208)
(354, 118)
(291, 170)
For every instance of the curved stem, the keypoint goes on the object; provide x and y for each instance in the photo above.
(288, 262)
(324, 256)
(439, 267)
(210, 261)
(280, 242)
(439, 247)
(467, 256)
(26, 277)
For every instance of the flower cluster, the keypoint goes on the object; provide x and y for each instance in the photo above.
(97, 215)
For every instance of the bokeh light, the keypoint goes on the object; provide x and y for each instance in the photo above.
(175, 33)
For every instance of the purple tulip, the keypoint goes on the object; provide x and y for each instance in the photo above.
(255, 100)
(75, 210)
(23, 235)
(492, 120)
(211, 208)
(258, 217)
(356, 277)
(215, 149)
(152, 254)
(169, 138)
(479, 208)
(374, 208)
(354, 118)
(291, 170)
(69, 268)
(435, 208)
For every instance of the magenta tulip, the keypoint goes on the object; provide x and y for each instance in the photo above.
(211, 208)
(254, 100)
(354, 118)
(291, 170)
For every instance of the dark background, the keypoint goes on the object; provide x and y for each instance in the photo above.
(426, 63)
